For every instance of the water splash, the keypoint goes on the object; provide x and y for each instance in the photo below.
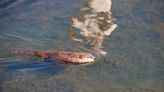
(95, 22)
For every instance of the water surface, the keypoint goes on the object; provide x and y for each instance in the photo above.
(135, 50)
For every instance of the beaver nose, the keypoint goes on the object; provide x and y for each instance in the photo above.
(92, 57)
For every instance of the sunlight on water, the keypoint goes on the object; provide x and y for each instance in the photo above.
(94, 24)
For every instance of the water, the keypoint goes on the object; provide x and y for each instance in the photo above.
(135, 50)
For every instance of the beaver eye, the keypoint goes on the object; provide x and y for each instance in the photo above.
(80, 56)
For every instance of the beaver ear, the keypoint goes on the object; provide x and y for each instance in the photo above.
(80, 56)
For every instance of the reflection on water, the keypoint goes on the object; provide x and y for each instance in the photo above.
(94, 23)
(134, 62)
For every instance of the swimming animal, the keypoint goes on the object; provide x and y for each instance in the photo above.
(61, 56)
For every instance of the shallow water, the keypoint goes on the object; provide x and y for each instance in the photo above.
(135, 50)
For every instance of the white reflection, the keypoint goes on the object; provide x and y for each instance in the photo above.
(95, 23)
(101, 5)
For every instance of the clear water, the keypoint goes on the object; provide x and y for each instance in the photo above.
(136, 49)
